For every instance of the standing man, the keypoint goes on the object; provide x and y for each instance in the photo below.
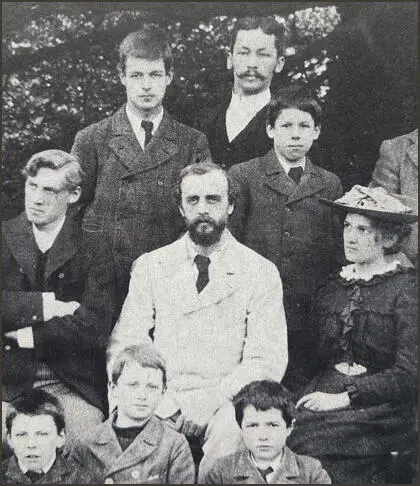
(133, 158)
(215, 309)
(236, 128)
(57, 296)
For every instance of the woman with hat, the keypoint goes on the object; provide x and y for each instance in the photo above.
(360, 406)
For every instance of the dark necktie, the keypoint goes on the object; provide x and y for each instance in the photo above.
(34, 476)
(40, 271)
(265, 472)
(295, 173)
(202, 263)
(148, 128)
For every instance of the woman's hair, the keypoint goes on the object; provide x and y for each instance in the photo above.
(263, 395)
(389, 229)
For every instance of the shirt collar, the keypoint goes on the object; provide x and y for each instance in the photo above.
(193, 250)
(274, 464)
(45, 469)
(45, 237)
(135, 120)
(254, 103)
(287, 165)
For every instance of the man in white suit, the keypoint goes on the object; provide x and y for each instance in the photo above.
(215, 310)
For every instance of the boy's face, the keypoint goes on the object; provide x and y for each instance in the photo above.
(264, 432)
(293, 134)
(145, 81)
(254, 60)
(34, 440)
(137, 393)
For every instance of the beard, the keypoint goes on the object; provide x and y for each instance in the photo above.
(205, 231)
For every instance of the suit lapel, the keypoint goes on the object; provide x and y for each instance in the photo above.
(65, 246)
(253, 126)
(22, 245)
(245, 471)
(126, 147)
(276, 177)
(14, 474)
(311, 183)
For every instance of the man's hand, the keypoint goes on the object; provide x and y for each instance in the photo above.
(322, 402)
(11, 335)
(61, 309)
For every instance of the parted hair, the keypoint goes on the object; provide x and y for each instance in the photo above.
(202, 168)
(56, 159)
(146, 355)
(36, 402)
(268, 25)
(263, 395)
(294, 96)
(149, 43)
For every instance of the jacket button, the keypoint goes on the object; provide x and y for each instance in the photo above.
(34, 318)
(109, 481)
(287, 234)
(8, 347)
(61, 275)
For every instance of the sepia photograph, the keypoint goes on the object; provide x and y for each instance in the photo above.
(209, 242)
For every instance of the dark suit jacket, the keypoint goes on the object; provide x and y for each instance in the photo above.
(79, 268)
(286, 224)
(60, 473)
(128, 191)
(252, 142)
(157, 455)
(238, 468)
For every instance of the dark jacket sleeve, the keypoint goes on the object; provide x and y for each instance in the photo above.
(89, 327)
(237, 221)
(181, 465)
(21, 309)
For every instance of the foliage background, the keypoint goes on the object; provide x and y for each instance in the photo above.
(60, 75)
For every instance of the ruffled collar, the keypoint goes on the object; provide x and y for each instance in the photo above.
(350, 272)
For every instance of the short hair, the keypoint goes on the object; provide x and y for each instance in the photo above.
(202, 168)
(36, 402)
(294, 96)
(268, 25)
(146, 355)
(56, 159)
(263, 395)
(388, 229)
(148, 43)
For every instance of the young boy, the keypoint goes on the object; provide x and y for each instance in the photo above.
(263, 411)
(133, 446)
(278, 214)
(36, 434)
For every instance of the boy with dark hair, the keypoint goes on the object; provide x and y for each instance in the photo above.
(36, 433)
(278, 215)
(132, 158)
(264, 413)
(133, 446)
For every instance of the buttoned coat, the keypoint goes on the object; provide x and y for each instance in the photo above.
(397, 171)
(250, 143)
(238, 468)
(127, 192)
(215, 342)
(60, 473)
(158, 455)
(79, 268)
(287, 224)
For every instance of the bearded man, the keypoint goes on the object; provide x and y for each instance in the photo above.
(214, 309)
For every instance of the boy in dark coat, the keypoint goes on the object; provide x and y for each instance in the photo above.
(263, 411)
(278, 215)
(133, 446)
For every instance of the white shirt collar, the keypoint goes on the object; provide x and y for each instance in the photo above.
(45, 469)
(254, 103)
(274, 464)
(287, 165)
(45, 237)
(135, 122)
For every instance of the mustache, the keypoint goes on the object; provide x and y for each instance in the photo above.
(251, 73)
(203, 219)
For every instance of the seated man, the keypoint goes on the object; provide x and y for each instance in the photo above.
(57, 296)
(215, 310)
(264, 412)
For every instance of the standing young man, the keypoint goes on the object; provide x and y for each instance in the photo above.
(133, 157)
(236, 128)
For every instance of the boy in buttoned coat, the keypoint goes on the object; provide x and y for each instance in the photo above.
(133, 446)
(281, 218)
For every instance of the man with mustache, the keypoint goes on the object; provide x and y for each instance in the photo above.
(235, 129)
(214, 308)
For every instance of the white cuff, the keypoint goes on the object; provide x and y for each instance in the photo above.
(25, 337)
(48, 301)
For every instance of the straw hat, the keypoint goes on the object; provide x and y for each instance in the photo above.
(375, 202)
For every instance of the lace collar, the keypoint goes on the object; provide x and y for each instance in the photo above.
(350, 272)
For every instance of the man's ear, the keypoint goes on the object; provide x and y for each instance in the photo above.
(230, 209)
(279, 65)
(317, 129)
(121, 74)
(169, 77)
(229, 61)
(75, 195)
(181, 211)
(270, 131)
(61, 439)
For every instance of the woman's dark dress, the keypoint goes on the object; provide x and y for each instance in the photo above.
(372, 323)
